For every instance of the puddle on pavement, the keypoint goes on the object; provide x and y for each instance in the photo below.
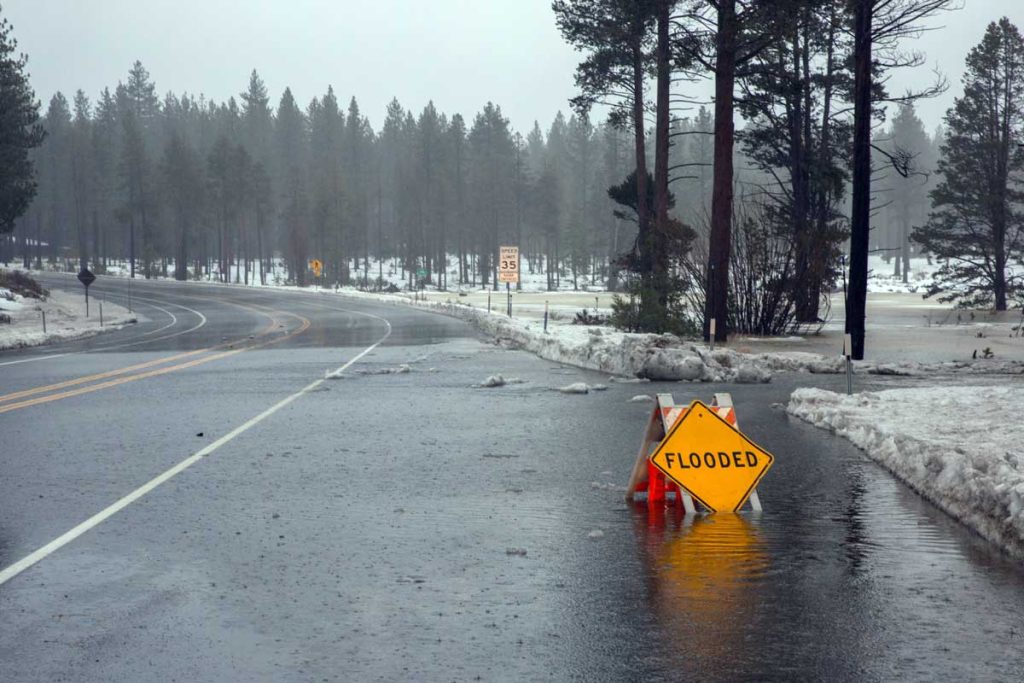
(872, 581)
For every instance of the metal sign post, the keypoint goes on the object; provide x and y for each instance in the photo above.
(847, 350)
(710, 309)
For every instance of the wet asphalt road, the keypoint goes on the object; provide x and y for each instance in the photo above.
(362, 532)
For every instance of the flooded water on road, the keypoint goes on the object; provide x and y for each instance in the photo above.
(846, 575)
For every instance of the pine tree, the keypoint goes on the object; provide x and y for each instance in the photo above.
(617, 35)
(790, 97)
(104, 162)
(290, 144)
(263, 205)
(581, 154)
(390, 145)
(219, 186)
(559, 164)
(615, 166)
(257, 120)
(138, 110)
(356, 145)
(703, 156)
(82, 173)
(20, 131)
(723, 36)
(456, 155)
(492, 163)
(332, 238)
(535, 149)
(55, 174)
(546, 206)
(184, 192)
(976, 224)
(908, 192)
(429, 163)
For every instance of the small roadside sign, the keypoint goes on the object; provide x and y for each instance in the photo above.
(508, 264)
(316, 266)
(86, 277)
(710, 459)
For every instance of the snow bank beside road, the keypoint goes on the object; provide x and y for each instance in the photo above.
(959, 447)
(65, 319)
(669, 358)
(655, 357)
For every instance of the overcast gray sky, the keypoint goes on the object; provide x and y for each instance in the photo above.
(460, 53)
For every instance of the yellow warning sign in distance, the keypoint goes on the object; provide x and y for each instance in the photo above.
(316, 266)
(715, 462)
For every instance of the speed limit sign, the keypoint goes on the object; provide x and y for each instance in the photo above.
(508, 264)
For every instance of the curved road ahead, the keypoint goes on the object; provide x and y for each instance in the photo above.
(189, 499)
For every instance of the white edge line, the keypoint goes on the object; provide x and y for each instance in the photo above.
(33, 359)
(56, 544)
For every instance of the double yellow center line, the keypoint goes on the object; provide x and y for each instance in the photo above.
(22, 399)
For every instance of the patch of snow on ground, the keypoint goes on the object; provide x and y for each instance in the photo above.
(980, 366)
(402, 369)
(10, 302)
(650, 356)
(499, 381)
(65, 318)
(959, 447)
(881, 276)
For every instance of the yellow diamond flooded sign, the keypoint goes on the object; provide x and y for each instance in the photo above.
(714, 462)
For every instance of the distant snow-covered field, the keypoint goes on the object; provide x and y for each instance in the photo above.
(882, 280)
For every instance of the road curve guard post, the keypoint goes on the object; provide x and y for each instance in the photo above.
(701, 458)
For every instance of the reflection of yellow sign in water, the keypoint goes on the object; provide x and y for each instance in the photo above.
(706, 578)
(716, 463)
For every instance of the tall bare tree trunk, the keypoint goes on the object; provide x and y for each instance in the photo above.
(643, 220)
(658, 244)
(721, 195)
(856, 300)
